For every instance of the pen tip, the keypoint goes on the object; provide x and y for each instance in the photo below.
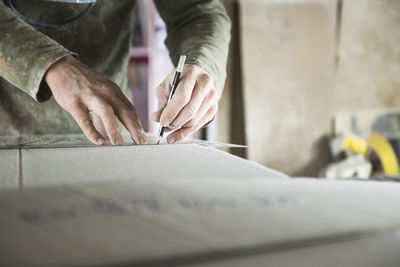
(159, 139)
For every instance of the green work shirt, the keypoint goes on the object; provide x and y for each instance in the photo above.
(101, 39)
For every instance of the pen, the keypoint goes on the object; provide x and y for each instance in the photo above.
(178, 72)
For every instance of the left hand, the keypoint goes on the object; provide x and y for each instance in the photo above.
(194, 103)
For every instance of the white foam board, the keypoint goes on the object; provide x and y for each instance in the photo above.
(55, 166)
(162, 222)
(9, 169)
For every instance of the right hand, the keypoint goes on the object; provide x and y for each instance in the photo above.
(82, 91)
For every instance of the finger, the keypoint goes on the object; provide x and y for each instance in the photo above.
(106, 112)
(156, 115)
(163, 90)
(167, 129)
(182, 133)
(202, 87)
(181, 97)
(162, 93)
(98, 124)
(82, 117)
(210, 100)
(128, 116)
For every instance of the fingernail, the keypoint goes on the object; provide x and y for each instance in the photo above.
(171, 140)
(143, 139)
(101, 141)
(164, 122)
(118, 140)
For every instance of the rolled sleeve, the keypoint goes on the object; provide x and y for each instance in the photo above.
(200, 30)
(26, 54)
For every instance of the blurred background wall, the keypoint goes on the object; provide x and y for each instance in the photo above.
(299, 62)
(369, 67)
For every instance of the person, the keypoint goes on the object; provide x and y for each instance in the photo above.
(78, 53)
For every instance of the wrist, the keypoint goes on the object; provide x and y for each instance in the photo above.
(56, 68)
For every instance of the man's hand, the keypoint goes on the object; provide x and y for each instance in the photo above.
(194, 103)
(82, 91)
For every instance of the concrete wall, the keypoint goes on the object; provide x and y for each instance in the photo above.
(369, 67)
(288, 56)
(292, 87)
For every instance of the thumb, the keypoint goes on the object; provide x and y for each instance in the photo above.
(156, 115)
